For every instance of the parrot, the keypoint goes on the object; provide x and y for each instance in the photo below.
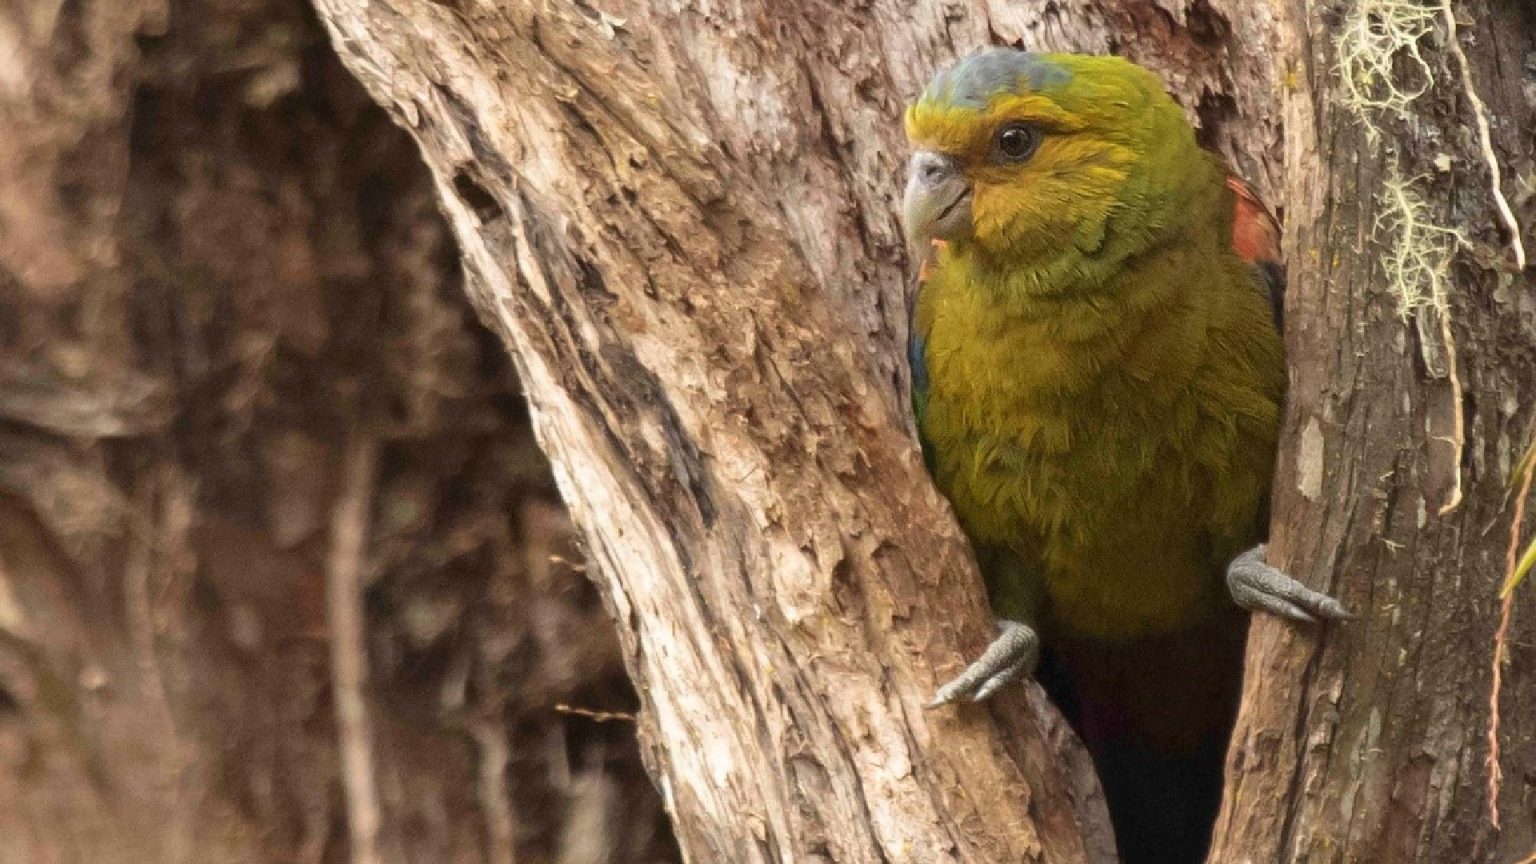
(1097, 377)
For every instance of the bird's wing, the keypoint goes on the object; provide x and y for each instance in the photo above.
(1256, 238)
(915, 357)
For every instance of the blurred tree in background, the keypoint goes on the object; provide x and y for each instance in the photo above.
(220, 265)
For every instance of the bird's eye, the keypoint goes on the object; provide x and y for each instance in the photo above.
(1016, 142)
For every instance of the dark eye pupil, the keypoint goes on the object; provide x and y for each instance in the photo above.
(1016, 142)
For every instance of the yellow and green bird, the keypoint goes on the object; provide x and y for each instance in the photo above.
(1097, 378)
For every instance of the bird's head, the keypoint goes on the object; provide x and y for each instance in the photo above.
(1026, 155)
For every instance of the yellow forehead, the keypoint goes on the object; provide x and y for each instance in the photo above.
(958, 129)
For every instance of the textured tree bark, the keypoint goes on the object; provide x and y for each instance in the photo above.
(1369, 743)
(683, 224)
(681, 218)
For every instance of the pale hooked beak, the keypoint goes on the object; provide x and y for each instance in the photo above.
(938, 201)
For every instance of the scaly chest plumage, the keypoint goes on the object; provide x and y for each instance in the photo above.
(1118, 448)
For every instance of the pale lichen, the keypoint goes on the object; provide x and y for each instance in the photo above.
(1418, 251)
(1383, 70)
(1375, 39)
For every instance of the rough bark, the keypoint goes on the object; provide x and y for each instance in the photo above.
(681, 217)
(1369, 744)
(216, 257)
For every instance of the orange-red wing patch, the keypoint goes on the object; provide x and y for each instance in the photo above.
(1255, 233)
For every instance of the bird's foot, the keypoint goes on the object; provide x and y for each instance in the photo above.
(1012, 655)
(1261, 588)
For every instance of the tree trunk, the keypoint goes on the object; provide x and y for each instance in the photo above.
(1370, 742)
(682, 223)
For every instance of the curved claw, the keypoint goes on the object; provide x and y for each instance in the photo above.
(1261, 588)
(1011, 656)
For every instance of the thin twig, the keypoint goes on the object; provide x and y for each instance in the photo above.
(1484, 137)
(575, 566)
(349, 656)
(597, 716)
(1500, 646)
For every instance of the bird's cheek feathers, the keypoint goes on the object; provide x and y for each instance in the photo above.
(1034, 217)
(1072, 184)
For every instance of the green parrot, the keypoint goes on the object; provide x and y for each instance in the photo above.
(1097, 375)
